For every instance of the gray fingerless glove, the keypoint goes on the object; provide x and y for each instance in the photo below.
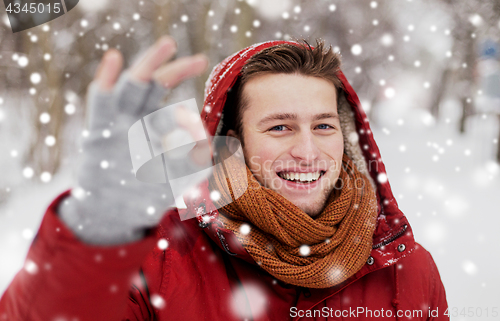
(110, 206)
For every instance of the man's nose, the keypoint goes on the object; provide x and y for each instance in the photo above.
(305, 147)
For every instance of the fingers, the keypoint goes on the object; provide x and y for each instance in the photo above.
(150, 66)
(175, 72)
(191, 122)
(154, 57)
(201, 152)
(109, 69)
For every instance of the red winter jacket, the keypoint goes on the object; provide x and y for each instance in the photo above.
(205, 274)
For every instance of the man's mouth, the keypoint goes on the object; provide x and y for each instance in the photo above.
(303, 178)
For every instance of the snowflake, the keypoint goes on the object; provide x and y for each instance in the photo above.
(157, 301)
(356, 49)
(162, 244)
(50, 140)
(22, 61)
(389, 92)
(106, 133)
(252, 295)
(382, 178)
(245, 229)
(35, 78)
(215, 195)
(27, 234)
(104, 164)
(28, 172)
(31, 267)
(304, 250)
(469, 267)
(70, 109)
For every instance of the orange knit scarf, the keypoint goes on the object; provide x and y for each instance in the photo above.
(339, 238)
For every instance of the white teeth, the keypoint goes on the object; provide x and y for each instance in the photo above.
(302, 177)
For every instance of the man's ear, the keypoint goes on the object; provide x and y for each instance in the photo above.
(232, 144)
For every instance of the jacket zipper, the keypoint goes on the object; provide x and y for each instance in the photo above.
(392, 238)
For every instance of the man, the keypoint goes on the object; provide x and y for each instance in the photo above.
(316, 235)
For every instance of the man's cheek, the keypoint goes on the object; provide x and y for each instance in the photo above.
(253, 164)
(267, 167)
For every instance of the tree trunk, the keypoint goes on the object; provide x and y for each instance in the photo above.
(467, 75)
(466, 112)
(438, 95)
(498, 140)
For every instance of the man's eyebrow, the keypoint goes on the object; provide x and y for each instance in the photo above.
(278, 116)
(325, 116)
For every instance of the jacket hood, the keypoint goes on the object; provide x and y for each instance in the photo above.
(393, 237)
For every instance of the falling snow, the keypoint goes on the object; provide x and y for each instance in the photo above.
(389, 92)
(28, 172)
(50, 140)
(245, 229)
(104, 164)
(304, 250)
(22, 61)
(31, 267)
(356, 49)
(162, 244)
(215, 196)
(35, 78)
(469, 267)
(252, 295)
(45, 177)
(382, 178)
(157, 301)
(443, 181)
(69, 109)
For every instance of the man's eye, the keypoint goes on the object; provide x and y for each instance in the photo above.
(278, 128)
(324, 126)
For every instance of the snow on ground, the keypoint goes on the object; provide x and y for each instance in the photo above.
(448, 186)
(20, 219)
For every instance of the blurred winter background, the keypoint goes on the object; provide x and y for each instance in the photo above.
(427, 72)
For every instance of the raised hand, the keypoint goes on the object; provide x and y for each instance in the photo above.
(109, 205)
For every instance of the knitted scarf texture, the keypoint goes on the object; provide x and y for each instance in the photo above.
(335, 244)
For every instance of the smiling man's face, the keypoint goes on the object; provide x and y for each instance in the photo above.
(292, 138)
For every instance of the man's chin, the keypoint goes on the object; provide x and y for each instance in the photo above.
(312, 210)
(310, 204)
